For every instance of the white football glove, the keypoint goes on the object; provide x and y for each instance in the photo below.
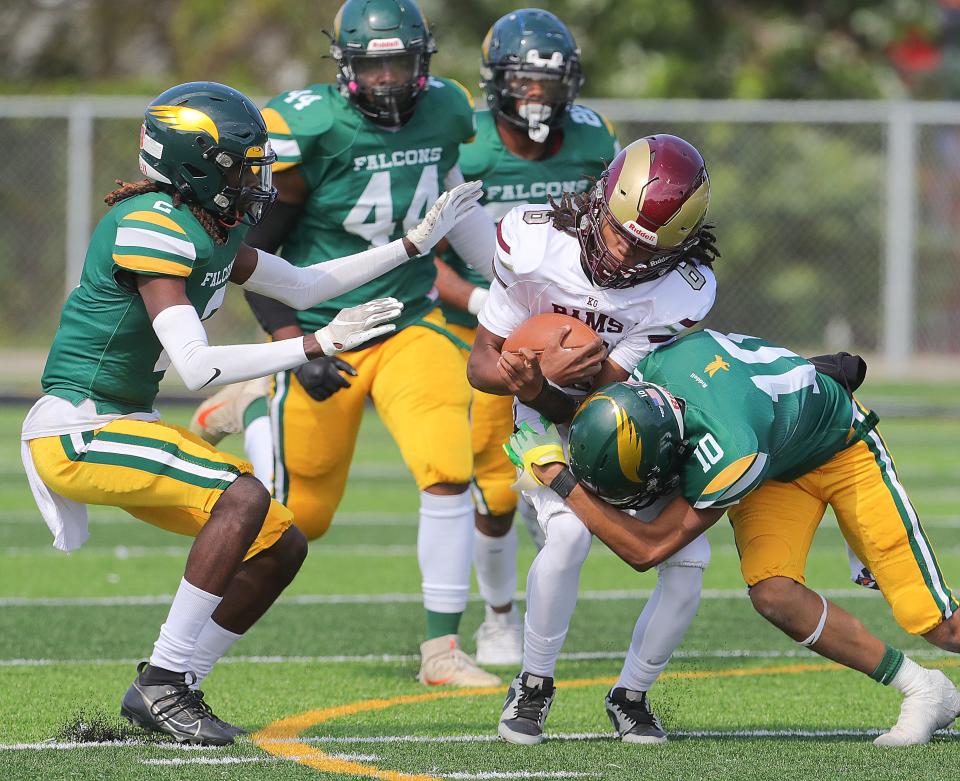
(443, 215)
(357, 324)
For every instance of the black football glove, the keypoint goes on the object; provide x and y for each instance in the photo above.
(321, 377)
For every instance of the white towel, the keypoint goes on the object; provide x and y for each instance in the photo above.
(66, 519)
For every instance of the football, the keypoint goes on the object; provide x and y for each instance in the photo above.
(535, 332)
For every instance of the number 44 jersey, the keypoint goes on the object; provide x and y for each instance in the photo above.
(538, 270)
(366, 185)
(753, 412)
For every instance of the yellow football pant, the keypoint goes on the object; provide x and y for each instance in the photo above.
(157, 472)
(418, 382)
(774, 527)
(491, 424)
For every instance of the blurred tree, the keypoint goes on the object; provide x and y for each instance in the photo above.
(631, 48)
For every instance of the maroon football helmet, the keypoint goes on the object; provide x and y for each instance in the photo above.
(646, 209)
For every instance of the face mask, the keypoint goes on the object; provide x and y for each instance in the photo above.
(536, 115)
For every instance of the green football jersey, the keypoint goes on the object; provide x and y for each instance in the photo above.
(586, 145)
(105, 348)
(754, 412)
(367, 184)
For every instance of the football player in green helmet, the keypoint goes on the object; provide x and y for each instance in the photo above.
(157, 266)
(359, 161)
(533, 143)
(749, 429)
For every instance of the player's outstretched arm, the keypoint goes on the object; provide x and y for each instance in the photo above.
(456, 291)
(262, 272)
(640, 544)
(200, 365)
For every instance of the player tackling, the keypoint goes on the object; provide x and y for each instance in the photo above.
(749, 429)
(631, 259)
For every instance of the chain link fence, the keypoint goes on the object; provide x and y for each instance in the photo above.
(836, 221)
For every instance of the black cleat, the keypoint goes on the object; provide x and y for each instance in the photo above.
(528, 702)
(631, 717)
(163, 701)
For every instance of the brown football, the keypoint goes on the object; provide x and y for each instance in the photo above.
(535, 332)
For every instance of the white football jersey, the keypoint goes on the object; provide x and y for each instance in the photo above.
(537, 269)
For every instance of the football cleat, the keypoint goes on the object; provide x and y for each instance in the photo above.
(500, 638)
(231, 729)
(222, 413)
(444, 662)
(525, 710)
(631, 717)
(934, 705)
(171, 706)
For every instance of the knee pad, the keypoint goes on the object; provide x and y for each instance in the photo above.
(494, 497)
(310, 515)
(568, 540)
(696, 554)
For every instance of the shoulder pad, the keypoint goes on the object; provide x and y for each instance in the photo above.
(594, 131)
(522, 237)
(685, 295)
(295, 119)
(457, 105)
(155, 237)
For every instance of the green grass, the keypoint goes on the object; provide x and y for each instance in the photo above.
(89, 651)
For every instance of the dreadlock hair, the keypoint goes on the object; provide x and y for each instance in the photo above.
(569, 210)
(214, 228)
(566, 212)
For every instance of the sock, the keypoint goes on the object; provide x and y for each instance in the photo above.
(552, 585)
(512, 616)
(891, 665)
(258, 445)
(190, 611)
(214, 641)
(441, 624)
(445, 553)
(661, 626)
(495, 559)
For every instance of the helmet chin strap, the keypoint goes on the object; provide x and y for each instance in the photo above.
(536, 116)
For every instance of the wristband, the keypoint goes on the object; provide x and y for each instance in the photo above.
(564, 483)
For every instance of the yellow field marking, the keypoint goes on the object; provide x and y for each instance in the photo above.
(278, 738)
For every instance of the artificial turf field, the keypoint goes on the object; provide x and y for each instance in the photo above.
(327, 678)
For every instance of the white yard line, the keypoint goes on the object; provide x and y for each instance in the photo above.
(573, 656)
(386, 739)
(610, 595)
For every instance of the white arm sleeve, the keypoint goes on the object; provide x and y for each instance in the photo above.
(473, 237)
(305, 287)
(201, 366)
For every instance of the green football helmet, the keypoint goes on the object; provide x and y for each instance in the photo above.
(382, 49)
(531, 70)
(206, 139)
(626, 443)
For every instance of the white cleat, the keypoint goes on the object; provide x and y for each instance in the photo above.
(500, 638)
(934, 705)
(222, 413)
(444, 662)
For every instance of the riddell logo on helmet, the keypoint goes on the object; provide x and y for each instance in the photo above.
(649, 237)
(385, 45)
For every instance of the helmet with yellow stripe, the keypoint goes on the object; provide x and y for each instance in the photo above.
(645, 213)
(626, 443)
(209, 142)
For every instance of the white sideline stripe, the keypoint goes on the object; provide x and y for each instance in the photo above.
(522, 774)
(572, 656)
(614, 595)
(209, 761)
(365, 519)
(373, 739)
(249, 760)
